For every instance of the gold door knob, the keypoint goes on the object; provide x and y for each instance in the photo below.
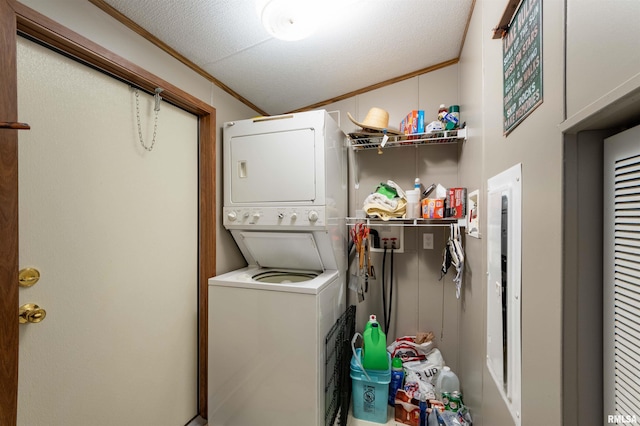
(31, 312)
(28, 277)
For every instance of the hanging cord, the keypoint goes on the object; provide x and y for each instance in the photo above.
(442, 274)
(384, 292)
(388, 316)
(156, 108)
(386, 309)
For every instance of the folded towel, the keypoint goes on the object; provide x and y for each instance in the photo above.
(383, 211)
(382, 201)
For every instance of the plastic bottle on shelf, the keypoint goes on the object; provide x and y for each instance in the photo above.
(397, 377)
(413, 203)
(414, 209)
(447, 382)
(442, 113)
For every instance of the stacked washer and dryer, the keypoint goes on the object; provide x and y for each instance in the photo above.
(285, 203)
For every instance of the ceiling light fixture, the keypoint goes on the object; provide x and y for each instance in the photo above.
(290, 19)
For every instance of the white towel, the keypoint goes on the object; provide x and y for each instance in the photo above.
(382, 201)
(384, 212)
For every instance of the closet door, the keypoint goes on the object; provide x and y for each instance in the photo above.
(113, 230)
(621, 292)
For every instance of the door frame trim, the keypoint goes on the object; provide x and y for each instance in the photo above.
(9, 334)
(19, 19)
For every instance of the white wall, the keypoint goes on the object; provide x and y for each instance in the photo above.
(602, 97)
(471, 172)
(603, 59)
(421, 301)
(537, 144)
(92, 23)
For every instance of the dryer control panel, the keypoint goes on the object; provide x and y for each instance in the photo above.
(274, 217)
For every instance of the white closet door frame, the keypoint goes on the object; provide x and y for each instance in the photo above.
(621, 280)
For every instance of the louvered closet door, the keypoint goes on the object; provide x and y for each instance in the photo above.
(621, 281)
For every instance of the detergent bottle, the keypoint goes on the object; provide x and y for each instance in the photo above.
(374, 348)
(372, 319)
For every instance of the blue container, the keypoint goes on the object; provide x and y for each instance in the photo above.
(370, 397)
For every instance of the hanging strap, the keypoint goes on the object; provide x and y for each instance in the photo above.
(156, 108)
(454, 256)
(458, 255)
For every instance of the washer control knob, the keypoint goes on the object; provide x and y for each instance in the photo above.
(256, 216)
(232, 216)
(280, 215)
(245, 215)
(294, 216)
(313, 216)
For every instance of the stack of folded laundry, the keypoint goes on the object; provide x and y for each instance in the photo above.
(389, 201)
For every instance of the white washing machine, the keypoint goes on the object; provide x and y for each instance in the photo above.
(266, 345)
(285, 204)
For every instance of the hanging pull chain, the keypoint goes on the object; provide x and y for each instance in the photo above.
(156, 108)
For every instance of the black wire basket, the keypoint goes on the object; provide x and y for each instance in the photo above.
(337, 381)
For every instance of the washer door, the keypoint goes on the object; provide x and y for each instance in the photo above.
(285, 250)
(284, 277)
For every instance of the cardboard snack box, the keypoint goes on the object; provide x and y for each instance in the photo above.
(413, 122)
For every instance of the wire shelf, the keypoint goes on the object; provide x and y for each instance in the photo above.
(363, 140)
(351, 221)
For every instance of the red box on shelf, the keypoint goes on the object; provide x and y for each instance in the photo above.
(456, 203)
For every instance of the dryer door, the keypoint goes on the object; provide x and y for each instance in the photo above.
(273, 167)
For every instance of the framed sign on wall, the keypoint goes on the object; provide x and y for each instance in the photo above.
(522, 64)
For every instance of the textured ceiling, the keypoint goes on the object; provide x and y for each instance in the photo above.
(360, 43)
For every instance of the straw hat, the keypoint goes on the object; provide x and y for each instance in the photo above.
(377, 119)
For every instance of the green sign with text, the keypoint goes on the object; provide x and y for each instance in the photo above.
(522, 64)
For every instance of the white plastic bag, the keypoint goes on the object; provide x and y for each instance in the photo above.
(428, 368)
(420, 376)
(408, 350)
